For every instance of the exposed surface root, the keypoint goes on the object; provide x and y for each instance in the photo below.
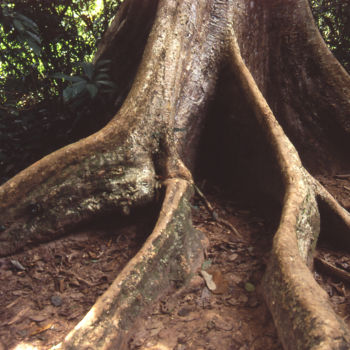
(300, 308)
(167, 259)
(55, 284)
(234, 315)
(168, 256)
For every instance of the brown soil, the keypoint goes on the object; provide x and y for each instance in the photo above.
(233, 316)
(45, 291)
(332, 272)
(339, 187)
(332, 264)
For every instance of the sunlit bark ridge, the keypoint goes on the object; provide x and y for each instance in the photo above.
(266, 48)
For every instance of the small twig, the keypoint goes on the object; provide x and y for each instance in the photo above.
(215, 215)
(342, 176)
(204, 198)
(333, 270)
(72, 274)
(230, 226)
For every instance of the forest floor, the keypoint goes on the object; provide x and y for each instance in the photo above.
(46, 290)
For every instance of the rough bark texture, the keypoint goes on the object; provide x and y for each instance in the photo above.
(305, 86)
(280, 87)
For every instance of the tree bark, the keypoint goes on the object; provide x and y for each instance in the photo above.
(280, 93)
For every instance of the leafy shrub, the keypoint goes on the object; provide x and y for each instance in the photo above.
(95, 80)
(333, 20)
(50, 93)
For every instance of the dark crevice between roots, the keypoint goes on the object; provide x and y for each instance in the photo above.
(234, 154)
(334, 233)
(142, 218)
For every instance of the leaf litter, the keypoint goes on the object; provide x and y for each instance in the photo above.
(222, 306)
(45, 291)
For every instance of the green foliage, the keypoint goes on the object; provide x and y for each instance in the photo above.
(333, 19)
(40, 38)
(95, 80)
(22, 28)
(50, 93)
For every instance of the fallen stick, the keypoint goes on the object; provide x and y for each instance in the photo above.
(342, 176)
(215, 215)
(332, 270)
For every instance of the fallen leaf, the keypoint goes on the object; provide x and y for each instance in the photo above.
(19, 316)
(208, 280)
(18, 265)
(42, 329)
(38, 317)
(249, 287)
(233, 257)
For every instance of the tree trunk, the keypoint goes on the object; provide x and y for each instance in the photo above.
(259, 72)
